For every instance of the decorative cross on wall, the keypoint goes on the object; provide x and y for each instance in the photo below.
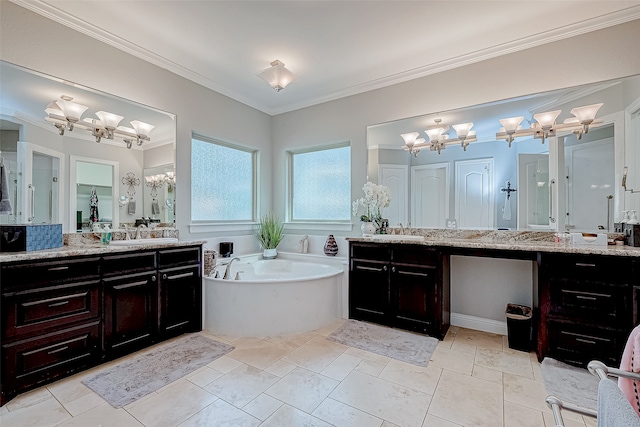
(508, 189)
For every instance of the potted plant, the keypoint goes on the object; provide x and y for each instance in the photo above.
(270, 232)
(376, 197)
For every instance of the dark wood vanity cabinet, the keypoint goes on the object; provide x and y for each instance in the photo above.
(62, 316)
(399, 285)
(586, 307)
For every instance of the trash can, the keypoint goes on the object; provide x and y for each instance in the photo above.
(519, 326)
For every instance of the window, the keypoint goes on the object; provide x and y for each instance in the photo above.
(223, 181)
(320, 184)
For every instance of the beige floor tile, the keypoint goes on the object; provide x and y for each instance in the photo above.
(341, 415)
(316, 354)
(290, 341)
(487, 374)
(47, 412)
(452, 360)
(512, 363)
(392, 402)
(172, 406)
(464, 347)
(224, 364)
(256, 352)
(388, 424)
(327, 330)
(367, 355)
(203, 376)
(424, 379)
(590, 421)
(142, 399)
(3, 410)
(242, 385)
(537, 373)
(549, 421)
(103, 415)
(262, 406)
(289, 416)
(467, 400)
(521, 416)
(479, 339)
(433, 421)
(221, 414)
(370, 368)
(29, 398)
(83, 404)
(68, 390)
(524, 392)
(280, 368)
(341, 367)
(302, 389)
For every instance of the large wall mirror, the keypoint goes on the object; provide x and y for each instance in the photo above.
(51, 177)
(565, 183)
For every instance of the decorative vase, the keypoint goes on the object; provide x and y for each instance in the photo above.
(368, 229)
(331, 246)
(269, 253)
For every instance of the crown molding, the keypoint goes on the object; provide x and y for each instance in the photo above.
(594, 24)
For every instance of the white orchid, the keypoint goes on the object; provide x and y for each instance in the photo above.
(376, 197)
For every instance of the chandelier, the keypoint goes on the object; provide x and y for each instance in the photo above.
(438, 138)
(66, 114)
(545, 125)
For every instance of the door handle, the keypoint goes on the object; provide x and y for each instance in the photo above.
(33, 203)
(551, 218)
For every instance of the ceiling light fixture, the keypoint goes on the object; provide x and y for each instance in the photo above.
(438, 138)
(545, 124)
(65, 115)
(277, 75)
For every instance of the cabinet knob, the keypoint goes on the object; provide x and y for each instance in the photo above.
(384, 268)
(164, 276)
(153, 278)
(393, 269)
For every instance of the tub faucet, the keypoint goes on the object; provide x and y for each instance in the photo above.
(228, 269)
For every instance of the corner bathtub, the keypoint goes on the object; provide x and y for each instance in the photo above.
(272, 297)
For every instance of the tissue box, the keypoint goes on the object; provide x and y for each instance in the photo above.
(22, 237)
(589, 239)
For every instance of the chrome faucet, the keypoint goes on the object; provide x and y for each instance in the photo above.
(126, 232)
(138, 231)
(401, 228)
(228, 269)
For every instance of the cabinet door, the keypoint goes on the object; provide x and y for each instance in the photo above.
(369, 291)
(180, 300)
(131, 311)
(414, 304)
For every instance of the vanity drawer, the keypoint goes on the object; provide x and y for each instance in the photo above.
(46, 357)
(176, 257)
(33, 312)
(34, 274)
(415, 254)
(128, 263)
(371, 251)
(579, 344)
(609, 303)
(589, 268)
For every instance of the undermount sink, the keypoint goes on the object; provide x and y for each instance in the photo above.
(138, 242)
(397, 238)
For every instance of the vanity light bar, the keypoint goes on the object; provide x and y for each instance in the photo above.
(438, 139)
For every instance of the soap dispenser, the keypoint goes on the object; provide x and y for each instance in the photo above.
(626, 217)
(634, 218)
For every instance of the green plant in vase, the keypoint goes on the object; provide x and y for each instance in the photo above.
(269, 231)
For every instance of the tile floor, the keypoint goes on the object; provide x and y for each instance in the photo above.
(473, 379)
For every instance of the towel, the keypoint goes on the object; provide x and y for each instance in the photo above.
(131, 210)
(631, 363)
(155, 207)
(94, 216)
(5, 202)
(613, 410)
(506, 210)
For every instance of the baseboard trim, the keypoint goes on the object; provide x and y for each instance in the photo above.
(479, 323)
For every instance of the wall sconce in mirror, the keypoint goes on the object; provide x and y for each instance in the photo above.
(155, 182)
(170, 180)
(545, 124)
(66, 114)
(624, 181)
(131, 182)
(439, 138)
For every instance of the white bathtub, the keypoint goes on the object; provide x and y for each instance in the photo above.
(272, 297)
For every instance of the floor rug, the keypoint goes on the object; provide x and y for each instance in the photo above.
(397, 344)
(570, 384)
(135, 378)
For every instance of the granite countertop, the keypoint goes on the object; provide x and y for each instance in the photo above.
(530, 241)
(88, 248)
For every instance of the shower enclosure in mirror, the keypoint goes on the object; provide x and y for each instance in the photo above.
(43, 186)
(565, 183)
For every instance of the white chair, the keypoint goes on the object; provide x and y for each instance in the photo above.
(614, 409)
